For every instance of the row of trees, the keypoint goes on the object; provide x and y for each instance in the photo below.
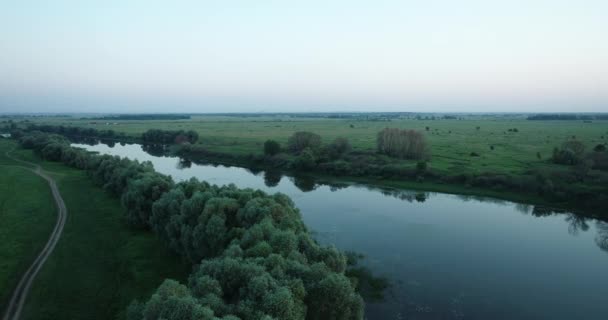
(309, 150)
(72, 131)
(254, 257)
(169, 136)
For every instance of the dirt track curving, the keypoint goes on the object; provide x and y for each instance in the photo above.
(14, 307)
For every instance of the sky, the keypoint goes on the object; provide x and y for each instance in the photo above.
(299, 56)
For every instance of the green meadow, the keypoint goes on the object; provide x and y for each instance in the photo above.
(500, 148)
(27, 212)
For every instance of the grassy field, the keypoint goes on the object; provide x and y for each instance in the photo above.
(452, 141)
(99, 265)
(27, 212)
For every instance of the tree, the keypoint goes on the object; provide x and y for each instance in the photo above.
(271, 147)
(406, 144)
(302, 140)
(338, 147)
(570, 153)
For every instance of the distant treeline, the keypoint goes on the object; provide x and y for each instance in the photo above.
(152, 136)
(143, 117)
(169, 136)
(568, 116)
(74, 131)
(253, 256)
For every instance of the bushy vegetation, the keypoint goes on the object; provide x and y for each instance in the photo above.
(71, 131)
(405, 144)
(255, 258)
(271, 147)
(159, 136)
(302, 140)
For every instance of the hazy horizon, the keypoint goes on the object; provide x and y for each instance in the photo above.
(304, 56)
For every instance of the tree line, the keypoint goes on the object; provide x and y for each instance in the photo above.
(254, 258)
(169, 136)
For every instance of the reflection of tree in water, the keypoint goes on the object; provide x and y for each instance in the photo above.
(468, 197)
(543, 211)
(183, 163)
(601, 239)
(272, 178)
(524, 208)
(84, 140)
(576, 224)
(110, 143)
(254, 171)
(333, 187)
(304, 183)
(157, 150)
(405, 195)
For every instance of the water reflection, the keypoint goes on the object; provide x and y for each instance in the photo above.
(601, 239)
(446, 256)
(272, 178)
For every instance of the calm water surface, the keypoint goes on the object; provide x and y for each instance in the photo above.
(446, 256)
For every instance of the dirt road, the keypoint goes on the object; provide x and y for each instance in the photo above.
(14, 307)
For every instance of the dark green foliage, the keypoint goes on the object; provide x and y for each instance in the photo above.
(302, 140)
(306, 160)
(169, 136)
(271, 147)
(338, 147)
(421, 166)
(570, 153)
(599, 148)
(76, 132)
(474, 154)
(255, 257)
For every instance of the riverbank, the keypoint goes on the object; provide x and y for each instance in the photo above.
(428, 185)
(579, 188)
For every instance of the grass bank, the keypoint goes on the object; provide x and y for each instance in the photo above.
(27, 216)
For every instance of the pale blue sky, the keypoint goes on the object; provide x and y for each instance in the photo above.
(237, 55)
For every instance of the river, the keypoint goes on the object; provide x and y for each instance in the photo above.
(445, 256)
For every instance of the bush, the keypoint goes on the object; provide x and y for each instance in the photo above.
(421, 166)
(271, 147)
(570, 153)
(302, 140)
(599, 148)
(306, 160)
(338, 147)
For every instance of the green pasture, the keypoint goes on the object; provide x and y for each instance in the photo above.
(452, 141)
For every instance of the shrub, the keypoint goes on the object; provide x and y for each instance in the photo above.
(570, 153)
(599, 148)
(271, 147)
(474, 154)
(306, 160)
(302, 140)
(338, 147)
